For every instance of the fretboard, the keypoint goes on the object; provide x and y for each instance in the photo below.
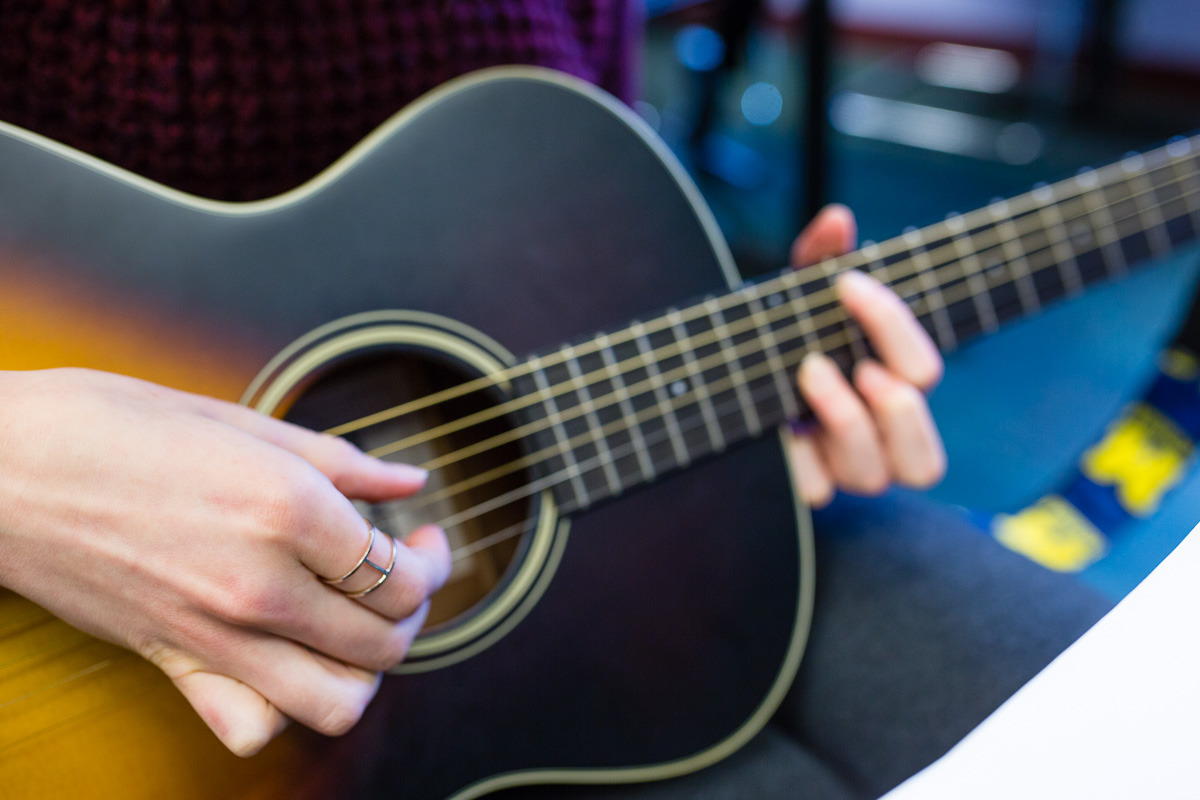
(621, 409)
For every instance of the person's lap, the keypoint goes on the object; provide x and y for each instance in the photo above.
(923, 626)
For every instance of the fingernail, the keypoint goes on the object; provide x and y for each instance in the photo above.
(818, 373)
(407, 471)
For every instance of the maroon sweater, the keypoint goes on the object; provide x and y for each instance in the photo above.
(243, 99)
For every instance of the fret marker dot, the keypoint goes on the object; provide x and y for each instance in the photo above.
(678, 388)
(1043, 193)
(774, 300)
(1086, 177)
(1179, 146)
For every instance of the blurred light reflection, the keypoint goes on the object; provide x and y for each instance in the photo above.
(699, 48)
(762, 103)
(934, 128)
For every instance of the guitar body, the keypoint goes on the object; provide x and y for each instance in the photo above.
(512, 210)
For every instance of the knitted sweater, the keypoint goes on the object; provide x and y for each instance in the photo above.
(243, 99)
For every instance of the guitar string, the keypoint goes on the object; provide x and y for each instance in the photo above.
(697, 419)
(1106, 178)
(762, 369)
(691, 343)
(884, 249)
(820, 296)
(815, 324)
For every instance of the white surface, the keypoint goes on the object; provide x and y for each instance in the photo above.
(1115, 716)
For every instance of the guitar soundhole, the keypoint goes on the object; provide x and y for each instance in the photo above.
(486, 527)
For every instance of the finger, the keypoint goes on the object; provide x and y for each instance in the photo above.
(901, 342)
(831, 233)
(809, 471)
(353, 472)
(848, 440)
(241, 718)
(313, 689)
(302, 609)
(420, 566)
(916, 456)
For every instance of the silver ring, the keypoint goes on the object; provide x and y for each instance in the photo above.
(366, 561)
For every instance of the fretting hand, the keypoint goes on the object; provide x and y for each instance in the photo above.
(196, 532)
(878, 431)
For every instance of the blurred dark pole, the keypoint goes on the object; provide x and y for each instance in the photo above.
(1095, 82)
(818, 36)
(733, 23)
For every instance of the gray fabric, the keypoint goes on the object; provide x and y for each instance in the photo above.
(923, 626)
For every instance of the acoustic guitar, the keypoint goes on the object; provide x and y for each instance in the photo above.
(482, 287)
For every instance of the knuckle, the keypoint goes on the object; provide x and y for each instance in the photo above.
(871, 484)
(842, 419)
(929, 474)
(251, 603)
(341, 457)
(289, 504)
(906, 401)
(394, 651)
(930, 375)
(410, 592)
(340, 715)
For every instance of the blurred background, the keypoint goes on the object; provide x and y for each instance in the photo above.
(908, 111)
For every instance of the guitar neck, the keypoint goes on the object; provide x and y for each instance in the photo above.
(621, 408)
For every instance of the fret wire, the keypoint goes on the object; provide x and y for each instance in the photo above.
(625, 403)
(727, 408)
(943, 329)
(834, 312)
(1056, 232)
(981, 296)
(1173, 150)
(1156, 229)
(781, 281)
(1049, 265)
(767, 334)
(1017, 265)
(549, 402)
(725, 342)
(715, 437)
(851, 334)
(593, 419)
(659, 390)
(1103, 230)
(1189, 199)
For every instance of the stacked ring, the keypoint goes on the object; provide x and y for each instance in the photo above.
(366, 561)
